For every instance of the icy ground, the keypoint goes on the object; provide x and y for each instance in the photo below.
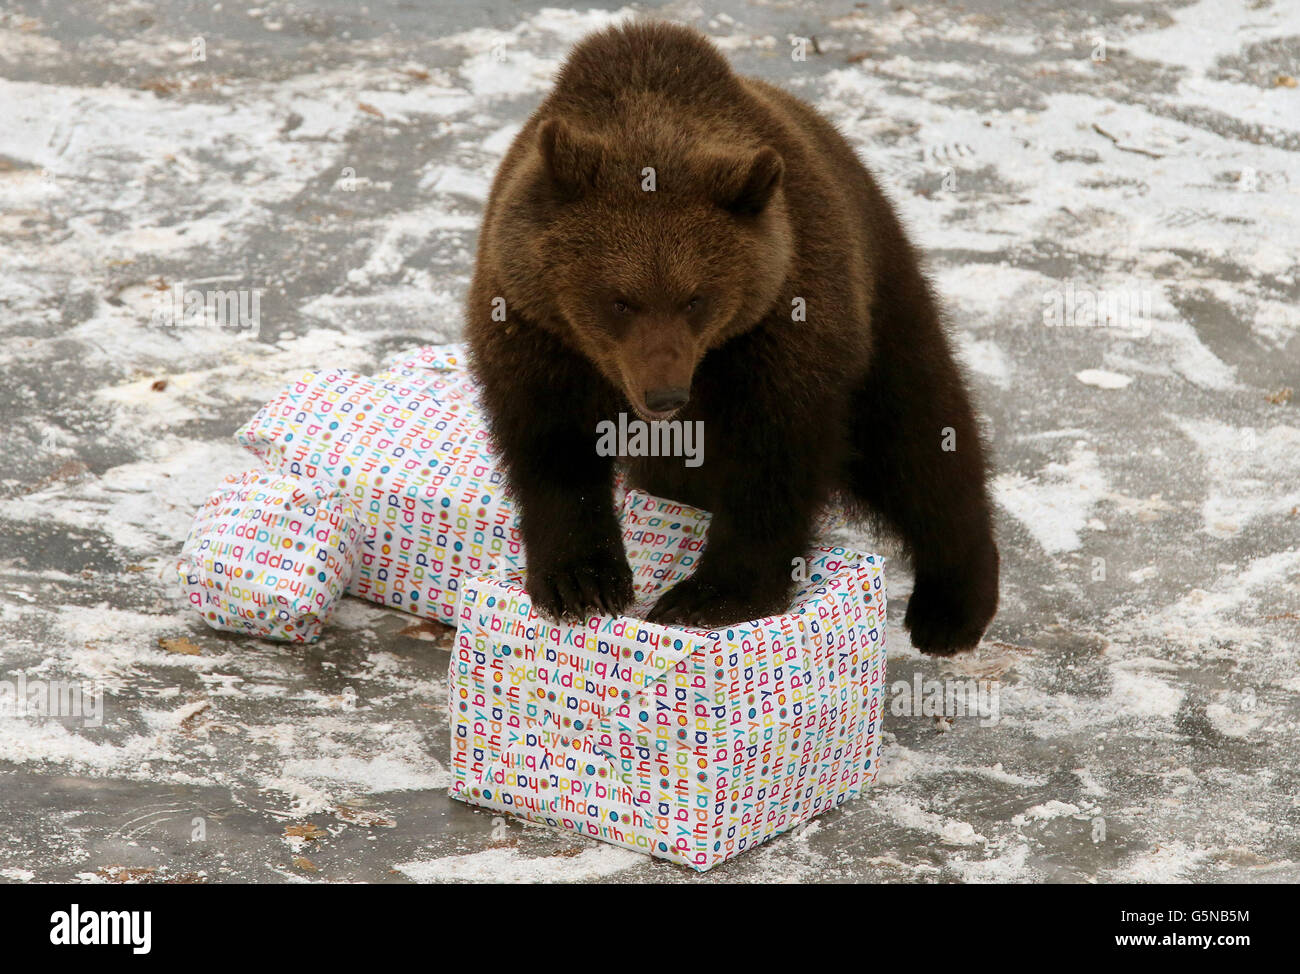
(336, 156)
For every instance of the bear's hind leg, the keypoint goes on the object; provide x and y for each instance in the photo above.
(918, 463)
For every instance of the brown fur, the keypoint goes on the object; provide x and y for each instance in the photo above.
(616, 297)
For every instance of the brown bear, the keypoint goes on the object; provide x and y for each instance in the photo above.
(667, 237)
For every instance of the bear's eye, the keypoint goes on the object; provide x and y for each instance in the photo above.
(694, 305)
(622, 307)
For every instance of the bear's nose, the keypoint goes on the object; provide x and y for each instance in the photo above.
(667, 399)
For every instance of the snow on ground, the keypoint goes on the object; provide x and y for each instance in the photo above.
(1106, 194)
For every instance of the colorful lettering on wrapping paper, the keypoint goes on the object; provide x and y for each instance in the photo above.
(269, 554)
(701, 747)
(410, 449)
(683, 759)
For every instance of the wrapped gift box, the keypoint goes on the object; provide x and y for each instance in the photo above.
(410, 449)
(688, 744)
(692, 745)
(269, 554)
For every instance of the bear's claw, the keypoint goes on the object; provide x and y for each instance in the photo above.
(598, 584)
(948, 612)
(698, 602)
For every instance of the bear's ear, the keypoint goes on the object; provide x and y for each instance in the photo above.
(745, 186)
(569, 159)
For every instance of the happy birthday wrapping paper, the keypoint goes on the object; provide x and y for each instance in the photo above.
(269, 554)
(688, 744)
(409, 448)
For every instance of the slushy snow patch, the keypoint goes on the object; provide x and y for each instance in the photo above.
(1103, 379)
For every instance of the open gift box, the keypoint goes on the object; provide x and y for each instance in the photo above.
(688, 744)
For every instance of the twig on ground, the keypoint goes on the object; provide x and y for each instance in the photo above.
(1125, 148)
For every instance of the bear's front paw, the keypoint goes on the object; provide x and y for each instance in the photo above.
(708, 603)
(949, 611)
(572, 588)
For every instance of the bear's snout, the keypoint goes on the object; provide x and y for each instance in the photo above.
(666, 400)
(657, 363)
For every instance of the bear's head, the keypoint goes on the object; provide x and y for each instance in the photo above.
(646, 250)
